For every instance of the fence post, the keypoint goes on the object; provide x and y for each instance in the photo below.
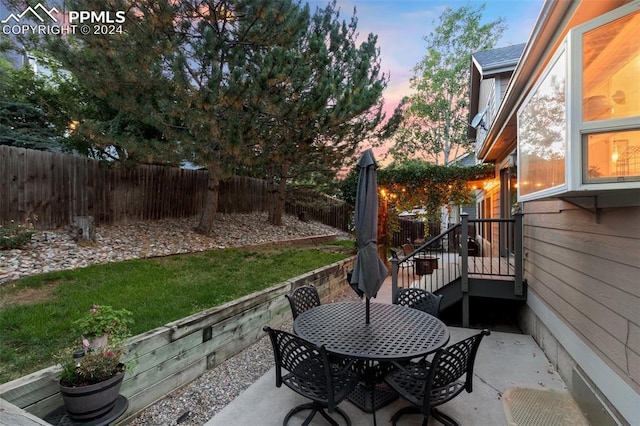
(518, 287)
(464, 256)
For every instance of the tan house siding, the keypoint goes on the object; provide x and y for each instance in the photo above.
(582, 267)
(504, 82)
(495, 213)
(492, 193)
(588, 273)
(487, 91)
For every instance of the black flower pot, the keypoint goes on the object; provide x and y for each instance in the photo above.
(425, 264)
(84, 403)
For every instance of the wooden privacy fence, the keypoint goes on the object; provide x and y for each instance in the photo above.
(55, 188)
(412, 230)
(337, 216)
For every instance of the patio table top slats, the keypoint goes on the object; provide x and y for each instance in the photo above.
(394, 333)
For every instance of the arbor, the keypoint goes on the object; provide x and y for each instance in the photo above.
(432, 122)
(419, 184)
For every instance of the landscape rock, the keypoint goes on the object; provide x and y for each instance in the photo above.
(55, 250)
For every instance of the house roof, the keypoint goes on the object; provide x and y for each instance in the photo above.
(465, 160)
(488, 64)
(498, 60)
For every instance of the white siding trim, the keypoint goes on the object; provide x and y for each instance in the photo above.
(622, 396)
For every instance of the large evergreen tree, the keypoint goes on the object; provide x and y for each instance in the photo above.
(33, 108)
(223, 82)
(318, 95)
(173, 84)
(431, 123)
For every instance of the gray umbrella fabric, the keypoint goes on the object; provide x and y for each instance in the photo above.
(369, 271)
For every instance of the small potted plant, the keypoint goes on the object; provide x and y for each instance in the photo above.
(92, 371)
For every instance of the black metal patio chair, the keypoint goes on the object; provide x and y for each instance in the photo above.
(427, 385)
(418, 298)
(310, 374)
(302, 299)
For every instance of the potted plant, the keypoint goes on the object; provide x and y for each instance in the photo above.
(92, 370)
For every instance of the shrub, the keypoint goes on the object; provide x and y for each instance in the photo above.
(15, 235)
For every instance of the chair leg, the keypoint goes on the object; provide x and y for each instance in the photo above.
(443, 418)
(339, 411)
(407, 410)
(309, 406)
(316, 408)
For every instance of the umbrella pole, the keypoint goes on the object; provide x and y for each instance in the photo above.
(367, 311)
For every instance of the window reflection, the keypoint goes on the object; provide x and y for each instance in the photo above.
(611, 65)
(542, 134)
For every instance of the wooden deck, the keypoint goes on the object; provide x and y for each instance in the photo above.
(450, 267)
(491, 268)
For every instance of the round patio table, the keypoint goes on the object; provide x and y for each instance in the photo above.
(395, 333)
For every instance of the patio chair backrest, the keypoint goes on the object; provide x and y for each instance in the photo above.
(420, 299)
(408, 248)
(429, 384)
(305, 368)
(450, 364)
(302, 299)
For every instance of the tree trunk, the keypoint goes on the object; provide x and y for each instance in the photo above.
(280, 197)
(211, 207)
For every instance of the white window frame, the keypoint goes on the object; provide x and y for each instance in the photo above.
(581, 130)
(576, 130)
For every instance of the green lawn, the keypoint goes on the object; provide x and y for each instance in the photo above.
(36, 313)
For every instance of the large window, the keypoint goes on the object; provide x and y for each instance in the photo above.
(542, 132)
(611, 92)
(610, 70)
(579, 128)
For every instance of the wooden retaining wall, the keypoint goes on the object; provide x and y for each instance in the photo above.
(179, 352)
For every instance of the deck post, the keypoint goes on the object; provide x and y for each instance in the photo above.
(518, 275)
(394, 278)
(464, 256)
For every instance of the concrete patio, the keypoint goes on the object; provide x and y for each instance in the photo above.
(505, 361)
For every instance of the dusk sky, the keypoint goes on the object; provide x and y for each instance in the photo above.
(402, 24)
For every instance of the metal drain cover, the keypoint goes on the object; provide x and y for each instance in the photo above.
(541, 407)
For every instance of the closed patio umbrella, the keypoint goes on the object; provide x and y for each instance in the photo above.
(369, 271)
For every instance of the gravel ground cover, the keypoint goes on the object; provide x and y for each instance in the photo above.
(55, 250)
